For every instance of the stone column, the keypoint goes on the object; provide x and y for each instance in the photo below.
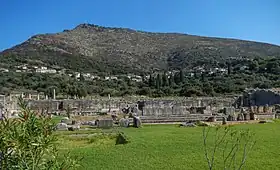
(241, 101)
(2, 113)
(260, 109)
(199, 103)
(57, 106)
(266, 108)
(54, 94)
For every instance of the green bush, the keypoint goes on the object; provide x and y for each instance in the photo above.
(28, 143)
(121, 139)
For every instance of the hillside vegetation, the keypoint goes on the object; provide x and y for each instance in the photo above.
(168, 64)
(91, 48)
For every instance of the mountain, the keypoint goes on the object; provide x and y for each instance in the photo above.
(92, 48)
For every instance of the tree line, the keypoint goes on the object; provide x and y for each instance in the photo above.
(261, 73)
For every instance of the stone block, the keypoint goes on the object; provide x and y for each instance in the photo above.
(185, 112)
(105, 123)
(229, 110)
(255, 109)
(240, 117)
(161, 112)
(61, 126)
(260, 109)
(137, 122)
(147, 111)
(212, 119)
(67, 121)
(182, 110)
(266, 109)
(187, 124)
(73, 127)
(168, 110)
(270, 109)
(124, 122)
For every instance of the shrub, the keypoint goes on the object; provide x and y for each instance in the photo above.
(121, 138)
(28, 143)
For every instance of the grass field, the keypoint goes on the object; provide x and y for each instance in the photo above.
(168, 147)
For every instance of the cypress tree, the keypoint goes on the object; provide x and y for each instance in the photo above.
(82, 78)
(159, 81)
(182, 76)
(177, 78)
(143, 78)
(229, 68)
(151, 81)
(171, 80)
(203, 77)
(165, 80)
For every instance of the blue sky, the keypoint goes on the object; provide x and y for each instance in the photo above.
(257, 20)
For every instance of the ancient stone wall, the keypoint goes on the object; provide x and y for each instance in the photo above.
(146, 106)
(185, 107)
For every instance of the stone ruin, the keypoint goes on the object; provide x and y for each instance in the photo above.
(258, 97)
(253, 104)
(178, 110)
(104, 123)
(145, 108)
(258, 103)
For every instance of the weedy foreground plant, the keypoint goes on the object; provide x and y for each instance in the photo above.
(232, 145)
(28, 143)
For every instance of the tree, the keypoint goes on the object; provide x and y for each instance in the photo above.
(29, 143)
(273, 67)
(151, 81)
(165, 80)
(171, 80)
(202, 77)
(177, 78)
(168, 91)
(128, 81)
(208, 89)
(82, 92)
(144, 91)
(82, 78)
(229, 68)
(233, 144)
(50, 91)
(254, 66)
(143, 78)
(182, 76)
(190, 92)
(73, 90)
(159, 81)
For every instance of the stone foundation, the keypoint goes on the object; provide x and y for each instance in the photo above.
(264, 116)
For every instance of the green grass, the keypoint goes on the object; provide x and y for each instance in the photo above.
(56, 119)
(168, 147)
